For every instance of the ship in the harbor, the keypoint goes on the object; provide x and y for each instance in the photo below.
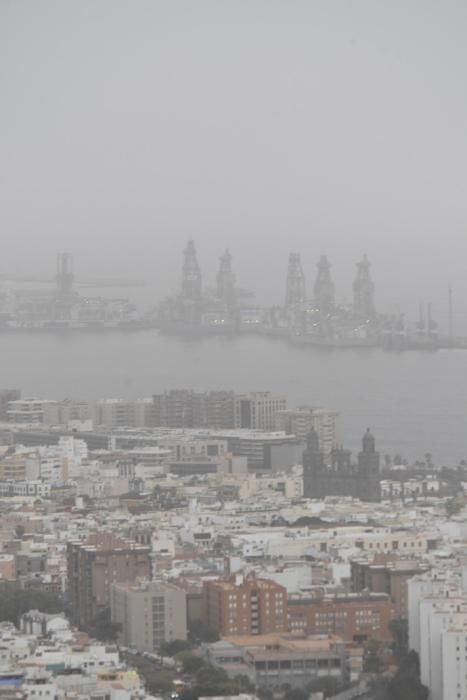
(316, 320)
(194, 311)
(225, 309)
(64, 309)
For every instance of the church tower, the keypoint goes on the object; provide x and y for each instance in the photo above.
(368, 458)
(368, 469)
(313, 466)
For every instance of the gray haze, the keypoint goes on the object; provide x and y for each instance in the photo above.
(127, 126)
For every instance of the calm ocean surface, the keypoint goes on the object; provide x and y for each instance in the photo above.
(415, 402)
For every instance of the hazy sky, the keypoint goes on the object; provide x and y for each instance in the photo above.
(128, 126)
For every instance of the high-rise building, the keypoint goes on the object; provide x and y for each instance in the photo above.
(220, 410)
(438, 631)
(324, 289)
(257, 410)
(363, 291)
(245, 605)
(183, 408)
(295, 292)
(150, 613)
(180, 408)
(302, 420)
(94, 565)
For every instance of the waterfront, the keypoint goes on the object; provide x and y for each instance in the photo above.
(415, 402)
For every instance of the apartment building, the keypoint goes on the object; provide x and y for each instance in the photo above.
(438, 632)
(245, 605)
(454, 661)
(94, 565)
(257, 410)
(149, 612)
(66, 411)
(27, 410)
(19, 466)
(7, 395)
(386, 574)
(353, 617)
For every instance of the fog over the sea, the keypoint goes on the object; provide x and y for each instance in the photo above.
(128, 126)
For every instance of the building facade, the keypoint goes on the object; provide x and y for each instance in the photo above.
(257, 411)
(341, 478)
(386, 574)
(302, 420)
(245, 605)
(150, 613)
(94, 565)
(353, 617)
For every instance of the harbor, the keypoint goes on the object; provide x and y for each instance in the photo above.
(225, 310)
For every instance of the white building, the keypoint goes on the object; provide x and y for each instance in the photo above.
(437, 606)
(454, 661)
(27, 410)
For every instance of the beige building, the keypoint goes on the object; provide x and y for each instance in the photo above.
(257, 410)
(150, 613)
(17, 466)
(302, 420)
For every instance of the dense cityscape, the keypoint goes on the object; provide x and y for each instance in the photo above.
(215, 543)
(233, 350)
